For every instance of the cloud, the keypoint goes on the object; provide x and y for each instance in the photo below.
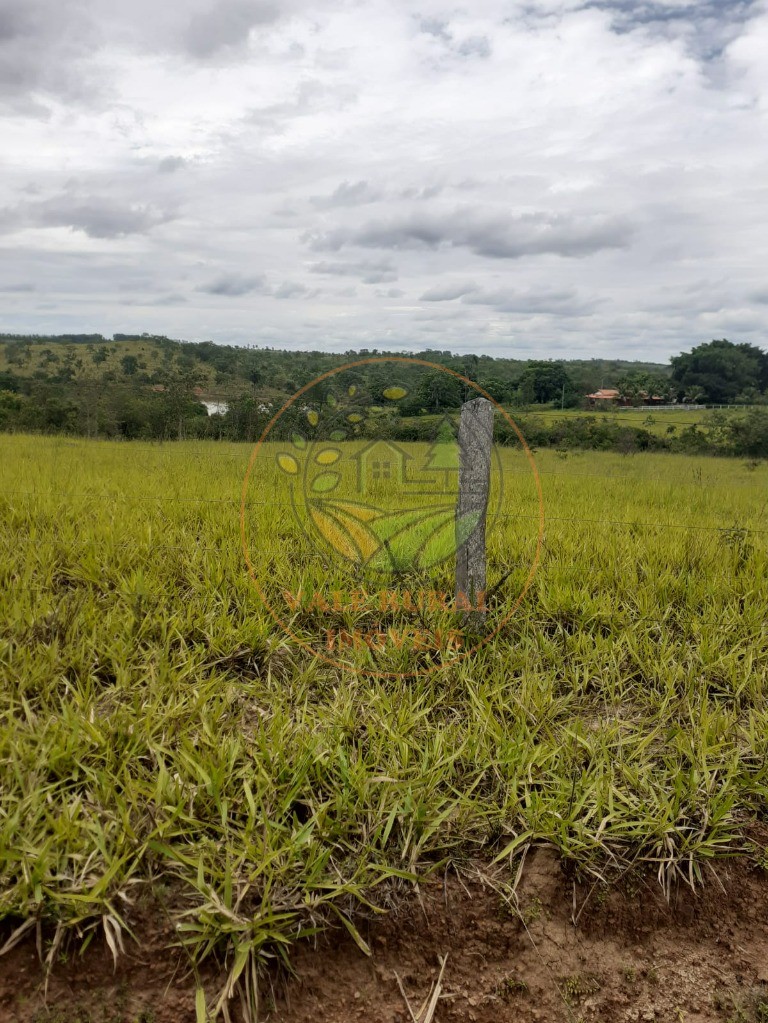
(234, 285)
(436, 27)
(348, 193)
(44, 49)
(312, 96)
(534, 302)
(100, 217)
(706, 27)
(580, 176)
(447, 292)
(169, 164)
(291, 289)
(226, 26)
(21, 287)
(470, 46)
(95, 216)
(479, 230)
(369, 271)
(423, 192)
(475, 46)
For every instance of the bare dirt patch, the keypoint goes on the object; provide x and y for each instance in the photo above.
(701, 958)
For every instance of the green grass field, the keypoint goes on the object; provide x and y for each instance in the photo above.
(660, 422)
(161, 735)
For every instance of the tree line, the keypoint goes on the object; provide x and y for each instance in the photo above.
(146, 387)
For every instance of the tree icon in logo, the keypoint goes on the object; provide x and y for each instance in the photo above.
(444, 453)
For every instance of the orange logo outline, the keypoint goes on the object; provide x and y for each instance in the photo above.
(252, 570)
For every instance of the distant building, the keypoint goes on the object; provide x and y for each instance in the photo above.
(606, 396)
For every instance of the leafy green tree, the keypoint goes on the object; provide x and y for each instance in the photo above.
(748, 435)
(439, 391)
(638, 384)
(498, 389)
(130, 365)
(719, 371)
(544, 382)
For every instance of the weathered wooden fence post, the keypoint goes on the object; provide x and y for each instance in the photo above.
(475, 443)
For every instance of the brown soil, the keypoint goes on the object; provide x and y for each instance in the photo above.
(631, 956)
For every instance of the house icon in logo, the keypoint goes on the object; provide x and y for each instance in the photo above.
(380, 461)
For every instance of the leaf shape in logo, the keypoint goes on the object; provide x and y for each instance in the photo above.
(331, 399)
(313, 418)
(338, 435)
(347, 534)
(298, 441)
(327, 456)
(406, 538)
(352, 390)
(354, 509)
(325, 481)
(355, 417)
(288, 464)
(395, 393)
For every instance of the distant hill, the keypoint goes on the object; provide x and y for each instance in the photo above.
(149, 387)
(225, 370)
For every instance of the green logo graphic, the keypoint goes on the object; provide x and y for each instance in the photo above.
(368, 499)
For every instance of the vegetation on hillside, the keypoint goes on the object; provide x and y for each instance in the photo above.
(153, 388)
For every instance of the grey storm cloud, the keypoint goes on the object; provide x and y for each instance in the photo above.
(564, 302)
(385, 163)
(291, 289)
(363, 193)
(311, 96)
(357, 193)
(43, 47)
(235, 285)
(475, 46)
(706, 26)
(369, 271)
(96, 216)
(471, 46)
(435, 27)
(169, 164)
(509, 300)
(447, 292)
(47, 47)
(479, 230)
(423, 192)
(21, 288)
(226, 26)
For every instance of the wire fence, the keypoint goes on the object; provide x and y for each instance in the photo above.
(236, 502)
(560, 621)
(731, 530)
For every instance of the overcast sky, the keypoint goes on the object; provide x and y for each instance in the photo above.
(552, 177)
